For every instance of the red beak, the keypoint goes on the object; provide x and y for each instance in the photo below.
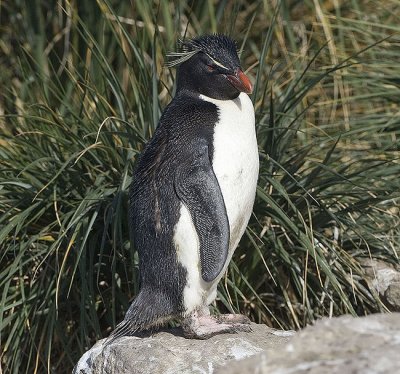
(240, 81)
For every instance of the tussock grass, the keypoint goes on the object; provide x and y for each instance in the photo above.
(83, 87)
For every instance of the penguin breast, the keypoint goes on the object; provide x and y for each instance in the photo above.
(235, 164)
(235, 161)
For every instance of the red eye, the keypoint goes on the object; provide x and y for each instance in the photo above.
(210, 68)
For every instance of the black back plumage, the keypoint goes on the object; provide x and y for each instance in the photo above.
(155, 209)
(154, 206)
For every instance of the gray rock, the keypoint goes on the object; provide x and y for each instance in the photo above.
(383, 278)
(367, 345)
(167, 352)
(392, 295)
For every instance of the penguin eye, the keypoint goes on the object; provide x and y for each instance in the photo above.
(210, 67)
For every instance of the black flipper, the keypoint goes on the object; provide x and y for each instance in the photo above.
(197, 187)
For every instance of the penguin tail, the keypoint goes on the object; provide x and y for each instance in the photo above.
(124, 328)
(146, 311)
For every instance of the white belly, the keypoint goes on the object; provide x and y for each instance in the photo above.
(235, 163)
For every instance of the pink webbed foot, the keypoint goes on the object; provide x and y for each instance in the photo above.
(233, 319)
(205, 326)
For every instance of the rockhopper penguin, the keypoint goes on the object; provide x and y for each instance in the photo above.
(193, 191)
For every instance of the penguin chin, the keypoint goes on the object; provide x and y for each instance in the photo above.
(220, 89)
(234, 96)
(228, 96)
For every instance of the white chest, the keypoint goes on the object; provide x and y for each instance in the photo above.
(235, 164)
(235, 161)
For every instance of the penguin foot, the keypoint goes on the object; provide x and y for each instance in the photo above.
(206, 326)
(233, 319)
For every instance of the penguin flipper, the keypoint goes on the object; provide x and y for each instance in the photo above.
(198, 189)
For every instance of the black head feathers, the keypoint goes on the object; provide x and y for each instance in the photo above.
(220, 48)
(209, 65)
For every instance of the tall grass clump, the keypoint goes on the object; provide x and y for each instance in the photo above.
(83, 87)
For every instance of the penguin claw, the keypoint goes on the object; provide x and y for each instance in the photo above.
(233, 319)
(242, 327)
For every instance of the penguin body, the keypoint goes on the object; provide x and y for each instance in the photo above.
(193, 191)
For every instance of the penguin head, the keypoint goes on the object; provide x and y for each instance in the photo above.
(209, 65)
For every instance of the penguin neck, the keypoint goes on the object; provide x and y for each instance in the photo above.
(241, 100)
(187, 90)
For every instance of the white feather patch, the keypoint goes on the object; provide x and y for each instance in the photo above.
(236, 163)
(187, 247)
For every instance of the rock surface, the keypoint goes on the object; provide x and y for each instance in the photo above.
(169, 353)
(340, 345)
(384, 278)
(367, 345)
